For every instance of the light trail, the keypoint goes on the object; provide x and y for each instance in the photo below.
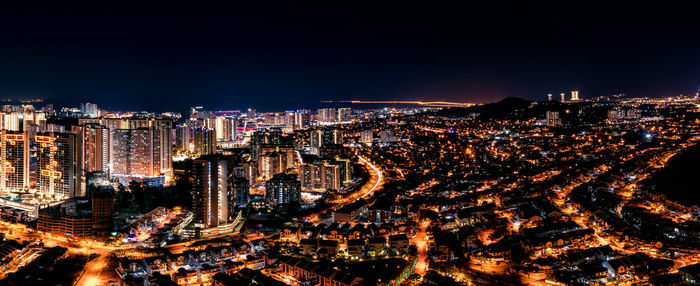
(424, 103)
(377, 171)
(364, 191)
(376, 180)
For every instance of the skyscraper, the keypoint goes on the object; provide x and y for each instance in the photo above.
(89, 110)
(282, 189)
(136, 153)
(322, 175)
(210, 191)
(344, 114)
(327, 115)
(366, 136)
(58, 162)
(95, 147)
(14, 157)
(225, 127)
(161, 131)
(101, 195)
(204, 141)
(241, 188)
(322, 137)
(387, 136)
(563, 98)
(183, 138)
(574, 95)
(302, 119)
(553, 118)
(262, 138)
(12, 121)
(270, 164)
(289, 119)
(549, 97)
(251, 113)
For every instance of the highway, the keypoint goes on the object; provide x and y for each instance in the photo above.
(374, 183)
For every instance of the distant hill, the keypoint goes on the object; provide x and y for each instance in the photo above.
(678, 179)
(504, 108)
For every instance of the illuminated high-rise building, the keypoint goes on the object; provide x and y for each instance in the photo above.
(345, 164)
(289, 117)
(28, 120)
(251, 113)
(101, 195)
(322, 175)
(12, 121)
(182, 138)
(271, 163)
(574, 95)
(241, 188)
(162, 134)
(95, 147)
(387, 136)
(210, 191)
(14, 160)
(225, 128)
(89, 110)
(282, 189)
(219, 128)
(136, 153)
(344, 114)
(263, 138)
(327, 115)
(366, 136)
(321, 137)
(302, 119)
(58, 165)
(563, 97)
(553, 118)
(204, 141)
(549, 97)
(286, 151)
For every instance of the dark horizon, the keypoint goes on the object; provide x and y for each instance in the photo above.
(167, 58)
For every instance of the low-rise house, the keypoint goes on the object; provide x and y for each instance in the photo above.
(351, 212)
(308, 246)
(377, 244)
(690, 274)
(356, 247)
(327, 248)
(318, 274)
(399, 242)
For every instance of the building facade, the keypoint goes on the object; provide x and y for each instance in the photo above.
(210, 189)
(14, 174)
(59, 160)
(282, 189)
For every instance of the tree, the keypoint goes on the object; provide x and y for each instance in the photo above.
(412, 250)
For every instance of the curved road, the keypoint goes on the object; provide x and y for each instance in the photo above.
(374, 183)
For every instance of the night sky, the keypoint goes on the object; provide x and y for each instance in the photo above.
(275, 57)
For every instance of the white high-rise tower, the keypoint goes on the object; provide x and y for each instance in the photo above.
(574, 95)
(563, 97)
(549, 96)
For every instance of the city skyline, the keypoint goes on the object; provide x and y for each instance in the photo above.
(349, 144)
